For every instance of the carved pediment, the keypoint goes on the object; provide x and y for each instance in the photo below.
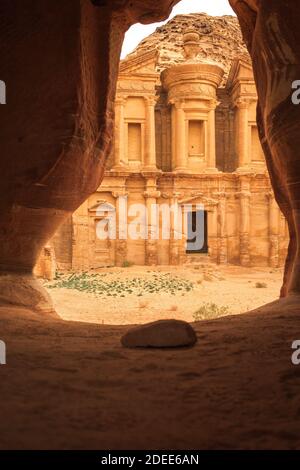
(101, 206)
(200, 198)
(241, 69)
(141, 63)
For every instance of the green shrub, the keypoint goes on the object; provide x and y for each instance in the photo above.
(261, 285)
(127, 264)
(209, 311)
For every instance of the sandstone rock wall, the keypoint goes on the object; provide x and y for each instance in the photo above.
(59, 61)
(271, 31)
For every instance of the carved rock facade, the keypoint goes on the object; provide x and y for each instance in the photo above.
(185, 134)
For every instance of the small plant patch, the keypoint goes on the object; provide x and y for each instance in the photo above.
(209, 311)
(261, 285)
(101, 286)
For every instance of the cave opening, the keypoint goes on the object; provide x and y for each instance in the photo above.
(185, 138)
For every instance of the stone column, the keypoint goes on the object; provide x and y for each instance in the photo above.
(242, 134)
(180, 138)
(164, 140)
(80, 240)
(121, 227)
(244, 197)
(120, 154)
(151, 196)
(174, 241)
(213, 234)
(150, 149)
(182, 243)
(273, 231)
(211, 131)
(230, 164)
(222, 229)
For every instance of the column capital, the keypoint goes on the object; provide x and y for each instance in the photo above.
(178, 103)
(150, 100)
(119, 193)
(243, 195)
(120, 100)
(213, 103)
(220, 195)
(152, 193)
(242, 103)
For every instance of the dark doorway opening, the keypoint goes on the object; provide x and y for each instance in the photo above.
(193, 216)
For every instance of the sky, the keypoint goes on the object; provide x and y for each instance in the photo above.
(139, 31)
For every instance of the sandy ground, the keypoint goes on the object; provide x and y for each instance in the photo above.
(71, 385)
(229, 286)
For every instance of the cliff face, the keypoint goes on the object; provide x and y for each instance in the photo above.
(57, 125)
(221, 40)
(271, 31)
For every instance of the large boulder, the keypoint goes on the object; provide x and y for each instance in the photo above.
(160, 334)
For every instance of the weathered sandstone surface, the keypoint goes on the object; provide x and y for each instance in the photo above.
(71, 385)
(271, 31)
(221, 41)
(60, 64)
